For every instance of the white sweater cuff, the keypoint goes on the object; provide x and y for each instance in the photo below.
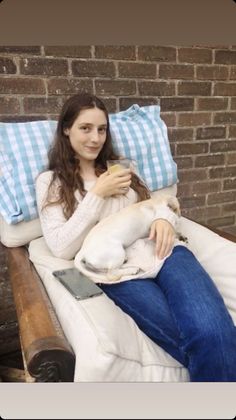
(164, 212)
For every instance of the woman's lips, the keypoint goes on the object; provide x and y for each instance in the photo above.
(92, 149)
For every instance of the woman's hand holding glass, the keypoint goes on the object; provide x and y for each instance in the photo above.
(164, 234)
(115, 183)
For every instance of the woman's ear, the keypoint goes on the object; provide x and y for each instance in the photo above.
(66, 131)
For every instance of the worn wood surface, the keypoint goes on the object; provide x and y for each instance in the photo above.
(47, 353)
(9, 336)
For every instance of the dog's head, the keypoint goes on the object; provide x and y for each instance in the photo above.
(173, 204)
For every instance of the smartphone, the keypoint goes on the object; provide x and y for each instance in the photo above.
(79, 285)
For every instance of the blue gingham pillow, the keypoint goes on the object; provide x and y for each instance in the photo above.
(23, 154)
(139, 133)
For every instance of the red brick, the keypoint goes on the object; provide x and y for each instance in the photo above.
(93, 68)
(210, 160)
(211, 133)
(156, 53)
(35, 50)
(110, 104)
(117, 52)
(229, 184)
(225, 89)
(180, 134)
(156, 88)
(23, 86)
(42, 105)
(223, 146)
(194, 119)
(7, 66)
(222, 221)
(68, 86)
(206, 187)
(115, 87)
(231, 207)
(194, 55)
(177, 104)
(192, 148)
(169, 119)
(193, 214)
(233, 73)
(194, 88)
(211, 104)
(225, 118)
(184, 189)
(233, 103)
(81, 51)
(137, 70)
(212, 72)
(221, 197)
(223, 171)
(9, 105)
(231, 158)
(44, 66)
(201, 214)
(190, 202)
(192, 175)
(176, 71)
(225, 57)
(184, 162)
(232, 131)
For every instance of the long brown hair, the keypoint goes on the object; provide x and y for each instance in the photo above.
(64, 163)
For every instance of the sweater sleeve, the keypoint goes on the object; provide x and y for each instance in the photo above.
(164, 212)
(65, 237)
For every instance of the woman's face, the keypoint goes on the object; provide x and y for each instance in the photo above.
(88, 133)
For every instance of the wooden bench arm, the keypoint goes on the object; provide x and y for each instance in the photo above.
(225, 235)
(47, 353)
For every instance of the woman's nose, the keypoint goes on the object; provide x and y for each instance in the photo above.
(95, 136)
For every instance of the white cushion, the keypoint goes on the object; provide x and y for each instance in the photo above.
(217, 255)
(20, 234)
(107, 343)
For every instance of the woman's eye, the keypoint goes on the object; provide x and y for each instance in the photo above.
(102, 130)
(86, 129)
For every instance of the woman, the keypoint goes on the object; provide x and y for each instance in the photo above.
(181, 309)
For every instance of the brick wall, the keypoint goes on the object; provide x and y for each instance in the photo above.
(195, 86)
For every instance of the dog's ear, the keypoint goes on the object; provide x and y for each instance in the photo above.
(173, 204)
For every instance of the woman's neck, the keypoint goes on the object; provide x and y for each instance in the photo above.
(87, 171)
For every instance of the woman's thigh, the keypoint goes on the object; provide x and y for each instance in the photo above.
(194, 301)
(144, 301)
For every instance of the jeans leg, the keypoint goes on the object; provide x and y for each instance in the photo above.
(206, 327)
(144, 301)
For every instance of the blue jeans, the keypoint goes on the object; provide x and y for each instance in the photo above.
(182, 311)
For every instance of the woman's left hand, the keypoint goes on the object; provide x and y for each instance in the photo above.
(164, 234)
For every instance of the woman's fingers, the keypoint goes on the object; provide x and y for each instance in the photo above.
(165, 236)
(165, 244)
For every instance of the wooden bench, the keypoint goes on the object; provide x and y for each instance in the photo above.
(47, 355)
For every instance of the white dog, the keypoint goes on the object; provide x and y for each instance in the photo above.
(103, 250)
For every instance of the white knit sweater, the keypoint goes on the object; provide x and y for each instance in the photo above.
(65, 237)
